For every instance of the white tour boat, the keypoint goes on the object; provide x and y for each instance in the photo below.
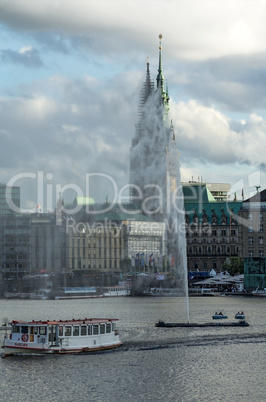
(116, 291)
(69, 336)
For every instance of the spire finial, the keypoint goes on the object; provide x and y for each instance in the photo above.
(160, 42)
(160, 77)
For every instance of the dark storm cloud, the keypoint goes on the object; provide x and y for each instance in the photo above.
(236, 83)
(27, 57)
(88, 129)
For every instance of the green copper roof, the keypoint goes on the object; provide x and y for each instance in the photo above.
(197, 193)
(218, 208)
(85, 200)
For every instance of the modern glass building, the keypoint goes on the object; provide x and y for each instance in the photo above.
(15, 256)
(254, 273)
(9, 197)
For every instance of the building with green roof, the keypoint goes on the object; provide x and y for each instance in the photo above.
(197, 192)
(211, 228)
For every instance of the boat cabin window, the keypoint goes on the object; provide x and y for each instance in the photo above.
(89, 329)
(76, 330)
(108, 328)
(24, 330)
(113, 326)
(60, 331)
(67, 330)
(15, 329)
(102, 328)
(95, 329)
(33, 330)
(42, 330)
(83, 330)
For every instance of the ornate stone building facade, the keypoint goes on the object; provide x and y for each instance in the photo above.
(211, 229)
(109, 243)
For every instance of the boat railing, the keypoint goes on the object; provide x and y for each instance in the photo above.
(209, 290)
(202, 290)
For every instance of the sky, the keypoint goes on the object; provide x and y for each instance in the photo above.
(71, 73)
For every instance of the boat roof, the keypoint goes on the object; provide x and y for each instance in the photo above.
(74, 321)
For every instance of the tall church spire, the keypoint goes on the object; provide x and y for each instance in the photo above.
(148, 84)
(160, 81)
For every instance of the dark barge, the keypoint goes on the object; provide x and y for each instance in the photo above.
(163, 324)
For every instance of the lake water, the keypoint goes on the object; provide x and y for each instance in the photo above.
(154, 364)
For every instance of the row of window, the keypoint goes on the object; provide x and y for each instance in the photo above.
(98, 263)
(250, 217)
(31, 330)
(205, 265)
(17, 231)
(83, 330)
(148, 243)
(17, 239)
(251, 253)
(103, 240)
(250, 228)
(14, 267)
(212, 240)
(104, 230)
(222, 232)
(205, 222)
(68, 330)
(15, 257)
(251, 240)
(141, 232)
(211, 250)
(101, 252)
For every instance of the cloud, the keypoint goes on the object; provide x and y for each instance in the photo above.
(79, 113)
(26, 56)
(88, 128)
(235, 83)
(205, 134)
(193, 29)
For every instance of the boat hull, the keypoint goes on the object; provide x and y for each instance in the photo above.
(26, 350)
(219, 317)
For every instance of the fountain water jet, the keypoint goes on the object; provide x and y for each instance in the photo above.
(155, 172)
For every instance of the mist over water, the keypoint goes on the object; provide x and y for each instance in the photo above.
(155, 170)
